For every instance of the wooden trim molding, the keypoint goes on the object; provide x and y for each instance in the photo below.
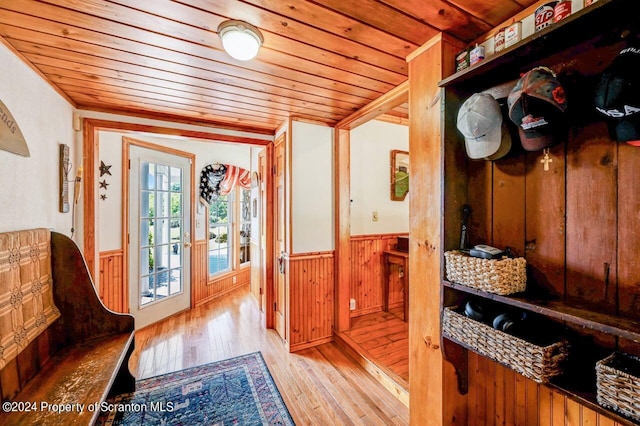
(378, 236)
(431, 378)
(393, 98)
(90, 158)
(126, 145)
(313, 255)
(268, 224)
(342, 193)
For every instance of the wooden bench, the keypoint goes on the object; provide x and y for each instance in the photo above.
(78, 361)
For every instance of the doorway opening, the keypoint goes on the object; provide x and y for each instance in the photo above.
(165, 237)
(364, 306)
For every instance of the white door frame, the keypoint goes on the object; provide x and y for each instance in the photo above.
(127, 142)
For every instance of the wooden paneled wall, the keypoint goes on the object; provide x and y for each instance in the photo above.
(200, 271)
(204, 289)
(574, 225)
(113, 287)
(366, 273)
(311, 299)
(567, 256)
(500, 396)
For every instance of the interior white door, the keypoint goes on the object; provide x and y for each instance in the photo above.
(159, 234)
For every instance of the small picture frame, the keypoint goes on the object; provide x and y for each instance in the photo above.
(399, 175)
(65, 168)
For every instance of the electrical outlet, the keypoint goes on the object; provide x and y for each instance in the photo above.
(234, 279)
(352, 304)
(374, 216)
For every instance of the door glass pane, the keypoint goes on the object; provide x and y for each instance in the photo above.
(146, 232)
(176, 179)
(176, 279)
(175, 232)
(245, 226)
(162, 257)
(147, 292)
(162, 177)
(162, 231)
(162, 288)
(220, 214)
(146, 261)
(148, 176)
(161, 234)
(176, 204)
(163, 204)
(147, 204)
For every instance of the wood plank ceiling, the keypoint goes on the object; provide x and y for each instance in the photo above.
(321, 60)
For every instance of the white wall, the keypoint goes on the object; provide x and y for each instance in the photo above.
(255, 197)
(29, 185)
(371, 146)
(206, 152)
(312, 188)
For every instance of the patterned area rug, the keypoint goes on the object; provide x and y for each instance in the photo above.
(236, 391)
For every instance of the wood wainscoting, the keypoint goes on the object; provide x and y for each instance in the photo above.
(112, 285)
(204, 289)
(311, 299)
(367, 270)
(499, 395)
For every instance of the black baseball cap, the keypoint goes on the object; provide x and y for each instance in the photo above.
(617, 95)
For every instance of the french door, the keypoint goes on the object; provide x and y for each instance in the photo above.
(159, 234)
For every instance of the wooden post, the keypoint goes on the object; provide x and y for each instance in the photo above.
(434, 396)
(343, 228)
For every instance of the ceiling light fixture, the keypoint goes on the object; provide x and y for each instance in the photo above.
(240, 40)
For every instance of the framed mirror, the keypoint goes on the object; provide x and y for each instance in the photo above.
(399, 174)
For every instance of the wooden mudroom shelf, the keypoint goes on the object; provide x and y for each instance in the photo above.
(564, 35)
(583, 316)
(572, 221)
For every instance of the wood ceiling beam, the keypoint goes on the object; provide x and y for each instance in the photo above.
(395, 97)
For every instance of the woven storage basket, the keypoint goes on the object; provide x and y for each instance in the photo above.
(499, 276)
(539, 363)
(617, 389)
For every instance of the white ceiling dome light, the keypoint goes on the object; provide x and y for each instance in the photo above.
(240, 40)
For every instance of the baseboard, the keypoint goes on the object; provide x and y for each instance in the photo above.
(305, 345)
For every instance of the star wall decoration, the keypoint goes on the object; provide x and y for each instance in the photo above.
(104, 169)
(104, 184)
(103, 196)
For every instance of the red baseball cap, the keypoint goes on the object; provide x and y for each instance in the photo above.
(536, 105)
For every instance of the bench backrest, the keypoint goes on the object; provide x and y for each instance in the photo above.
(26, 294)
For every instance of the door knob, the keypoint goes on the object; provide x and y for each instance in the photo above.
(187, 244)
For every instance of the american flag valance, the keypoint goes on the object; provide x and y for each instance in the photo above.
(220, 179)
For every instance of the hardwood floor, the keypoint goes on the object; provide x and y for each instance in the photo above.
(380, 343)
(320, 385)
(385, 336)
